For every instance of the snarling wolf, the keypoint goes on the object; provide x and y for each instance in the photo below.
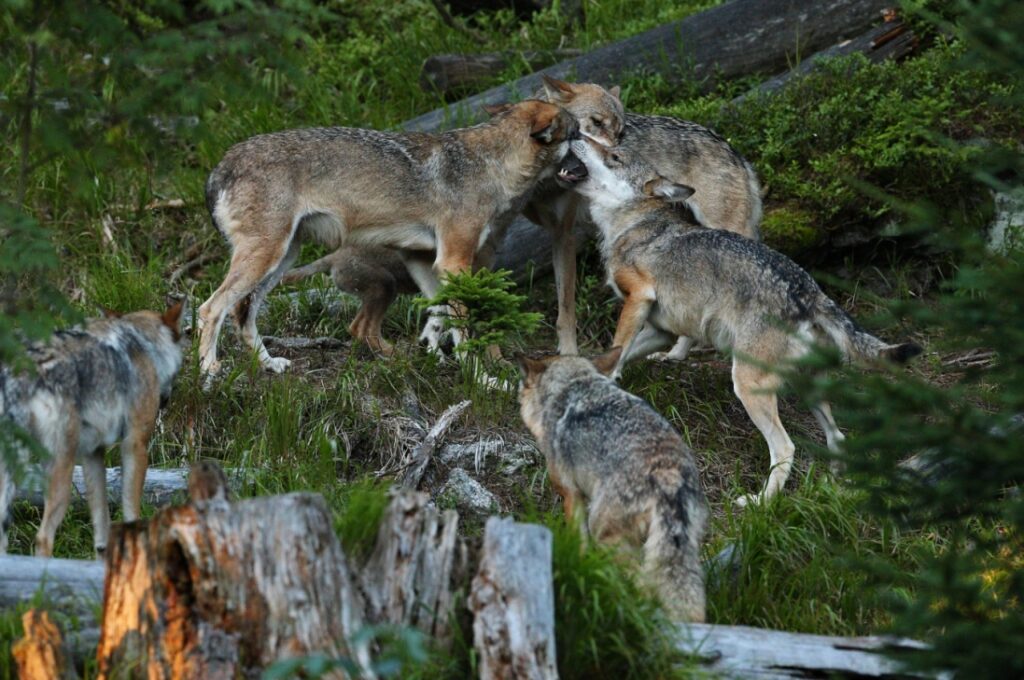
(91, 387)
(679, 279)
(624, 468)
(728, 195)
(413, 191)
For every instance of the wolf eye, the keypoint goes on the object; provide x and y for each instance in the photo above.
(598, 123)
(615, 158)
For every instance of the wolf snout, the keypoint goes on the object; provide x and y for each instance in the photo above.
(571, 171)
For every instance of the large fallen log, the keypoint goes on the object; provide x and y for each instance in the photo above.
(221, 590)
(737, 38)
(513, 603)
(450, 73)
(743, 652)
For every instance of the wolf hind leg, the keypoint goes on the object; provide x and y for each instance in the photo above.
(249, 307)
(95, 474)
(833, 437)
(756, 388)
(62, 446)
(648, 341)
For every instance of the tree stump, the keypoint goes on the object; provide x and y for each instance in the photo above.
(416, 567)
(513, 603)
(40, 655)
(221, 590)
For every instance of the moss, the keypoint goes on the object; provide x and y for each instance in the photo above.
(790, 229)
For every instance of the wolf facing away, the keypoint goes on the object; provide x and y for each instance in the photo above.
(677, 278)
(92, 387)
(412, 191)
(624, 467)
(728, 194)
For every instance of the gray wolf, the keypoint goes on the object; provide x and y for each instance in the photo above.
(728, 194)
(679, 279)
(92, 386)
(413, 191)
(614, 459)
(374, 274)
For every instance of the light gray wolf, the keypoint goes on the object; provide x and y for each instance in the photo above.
(91, 387)
(624, 468)
(374, 274)
(414, 191)
(728, 194)
(678, 278)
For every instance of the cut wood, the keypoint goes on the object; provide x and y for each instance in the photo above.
(889, 40)
(413, 471)
(736, 38)
(449, 73)
(513, 603)
(39, 654)
(742, 652)
(417, 565)
(162, 486)
(222, 590)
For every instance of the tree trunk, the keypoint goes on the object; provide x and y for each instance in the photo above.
(737, 38)
(417, 565)
(222, 590)
(513, 603)
(451, 73)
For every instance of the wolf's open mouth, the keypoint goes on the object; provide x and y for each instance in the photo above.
(571, 171)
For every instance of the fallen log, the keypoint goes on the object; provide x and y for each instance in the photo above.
(447, 74)
(162, 485)
(743, 652)
(513, 603)
(891, 40)
(417, 565)
(736, 38)
(413, 470)
(221, 590)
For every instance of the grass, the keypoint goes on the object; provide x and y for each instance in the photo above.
(342, 418)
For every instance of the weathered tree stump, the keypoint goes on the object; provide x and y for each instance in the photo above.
(513, 603)
(40, 655)
(221, 590)
(417, 565)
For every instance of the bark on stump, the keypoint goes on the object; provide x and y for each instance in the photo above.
(513, 603)
(222, 590)
(40, 655)
(416, 567)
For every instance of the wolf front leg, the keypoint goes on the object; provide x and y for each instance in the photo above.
(638, 298)
(563, 253)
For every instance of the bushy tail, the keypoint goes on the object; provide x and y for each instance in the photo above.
(316, 267)
(672, 550)
(854, 342)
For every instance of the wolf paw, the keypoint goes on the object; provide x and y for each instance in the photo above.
(277, 364)
(748, 500)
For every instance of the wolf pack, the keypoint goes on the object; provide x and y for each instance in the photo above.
(676, 211)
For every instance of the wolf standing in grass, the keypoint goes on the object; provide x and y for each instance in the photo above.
(412, 191)
(611, 452)
(679, 279)
(92, 387)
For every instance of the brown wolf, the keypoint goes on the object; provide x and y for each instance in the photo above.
(728, 195)
(414, 191)
(92, 387)
(679, 279)
(612, 457)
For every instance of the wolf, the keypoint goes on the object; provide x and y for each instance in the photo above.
(442, 192)
(374, 274)
(91, 387)
(611, 456)
(728, 193)
(678, 278)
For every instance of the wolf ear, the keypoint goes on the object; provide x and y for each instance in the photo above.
(606, 363)
(530, 367)
(558, 91)
(670, 191)
(495, 109)
(172, 318)
(544, 125)
(616, 92)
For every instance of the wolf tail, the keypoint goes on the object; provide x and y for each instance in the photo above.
(316, 267)
(672, 549)
(854, 342)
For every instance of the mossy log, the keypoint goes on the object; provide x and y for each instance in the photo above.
(447, 74)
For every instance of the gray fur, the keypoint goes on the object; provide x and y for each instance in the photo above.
(612, 452)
